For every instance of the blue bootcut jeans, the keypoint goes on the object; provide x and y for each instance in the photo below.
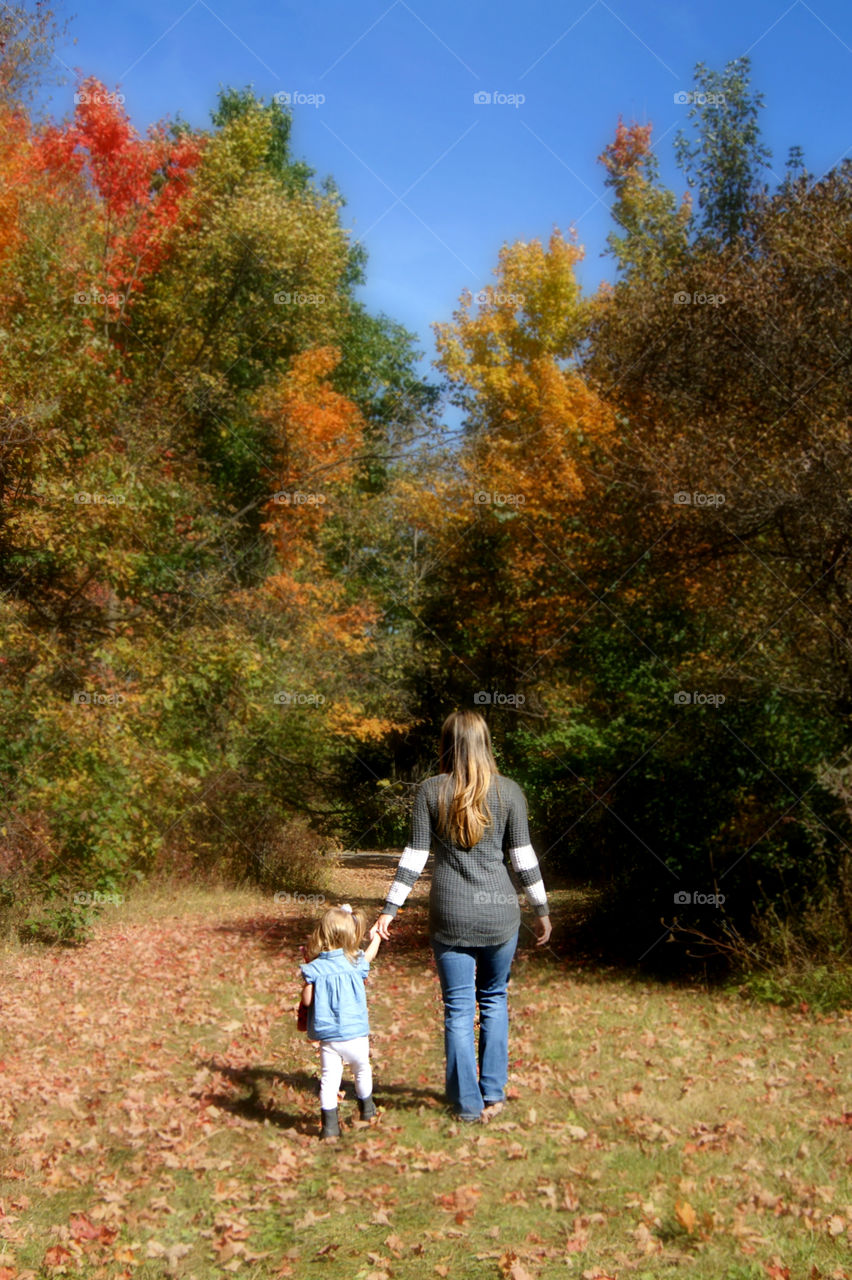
(471, 976)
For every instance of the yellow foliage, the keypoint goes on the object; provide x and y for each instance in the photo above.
(350, 722)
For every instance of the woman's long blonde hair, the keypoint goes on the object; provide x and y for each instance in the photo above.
(466, 759)
(338, 928)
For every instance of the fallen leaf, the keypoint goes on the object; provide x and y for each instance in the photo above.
(512, 1268)
(309, 1219)
(82, 1228)
(645, 1241)
(57, 1256)
(685, 1215)
(464, 1199)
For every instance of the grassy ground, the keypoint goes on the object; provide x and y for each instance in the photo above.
(159, 1116)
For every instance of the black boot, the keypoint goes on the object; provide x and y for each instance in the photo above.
(330, 1127)
(367, 1107)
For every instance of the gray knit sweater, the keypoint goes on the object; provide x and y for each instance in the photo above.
(472, 902)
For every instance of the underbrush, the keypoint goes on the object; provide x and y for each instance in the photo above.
(795, 955)
(56, 901)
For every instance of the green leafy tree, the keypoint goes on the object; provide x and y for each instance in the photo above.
(725, 160)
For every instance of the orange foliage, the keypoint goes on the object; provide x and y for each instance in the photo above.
(628, 149)
(319, 432)
(15, 162)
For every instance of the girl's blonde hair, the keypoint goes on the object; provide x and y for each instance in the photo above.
(466, 759)
(338, 928)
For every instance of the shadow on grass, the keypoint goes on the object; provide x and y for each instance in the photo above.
(285, 935)
(580, 940)
(252, 1106)
(372, 861)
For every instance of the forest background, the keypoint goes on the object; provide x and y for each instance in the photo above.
(246, 567)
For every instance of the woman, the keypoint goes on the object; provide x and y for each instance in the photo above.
(472, 816)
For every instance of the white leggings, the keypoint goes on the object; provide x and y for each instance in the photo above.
(333, 1054)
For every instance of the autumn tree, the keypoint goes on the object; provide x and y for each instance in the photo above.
(495, 528)
(186, 664)
(724, 478)
(651, 231)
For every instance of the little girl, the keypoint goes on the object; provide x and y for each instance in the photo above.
(337, 1008)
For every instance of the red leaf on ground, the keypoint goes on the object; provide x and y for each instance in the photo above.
(57, 1256)
(463, 1200)
(82, 1228)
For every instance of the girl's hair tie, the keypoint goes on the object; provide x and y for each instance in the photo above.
(344, 906)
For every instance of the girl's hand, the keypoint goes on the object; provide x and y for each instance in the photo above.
(382, 926)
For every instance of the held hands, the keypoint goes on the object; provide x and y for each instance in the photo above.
(382, 927)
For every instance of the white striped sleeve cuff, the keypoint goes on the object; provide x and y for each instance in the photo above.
(523, 858)
(409, 868)
(397, 893)
(536, 894)
(525, 863)
(413, 860)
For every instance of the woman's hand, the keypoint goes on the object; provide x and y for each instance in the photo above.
(382, 926)
(542, 930)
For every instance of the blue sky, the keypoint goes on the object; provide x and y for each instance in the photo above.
(434, 181)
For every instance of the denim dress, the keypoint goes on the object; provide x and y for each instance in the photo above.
(338, 1010)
